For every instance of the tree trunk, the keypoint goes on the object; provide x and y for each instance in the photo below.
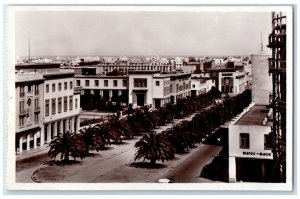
(152, 161)
(67, 156)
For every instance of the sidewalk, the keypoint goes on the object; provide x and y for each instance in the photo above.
(33, 152)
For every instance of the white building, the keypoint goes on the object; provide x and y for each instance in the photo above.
(61, 103)
(229, 80)
(249, 141)
(201, 85)
(46, 104)
(29, 111)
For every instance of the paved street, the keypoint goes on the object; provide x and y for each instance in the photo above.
(112, 165)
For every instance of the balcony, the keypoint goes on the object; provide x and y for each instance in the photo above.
(24, 111)
(37, 109)
(22, 94)
(277, 65)
(277, 40)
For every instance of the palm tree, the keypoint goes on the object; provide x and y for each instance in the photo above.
(154, 147)
(179, 138)
(107, 134)
(67, 144)
(92, 139)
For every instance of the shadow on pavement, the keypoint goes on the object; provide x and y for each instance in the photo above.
(217, 170)
(147, 165)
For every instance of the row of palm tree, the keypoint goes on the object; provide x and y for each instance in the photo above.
(184, 135)
(139, 122)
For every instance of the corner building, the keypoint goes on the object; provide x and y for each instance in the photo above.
(29, 111)
(47, 103)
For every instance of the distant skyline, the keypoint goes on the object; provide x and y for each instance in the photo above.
(100, 33)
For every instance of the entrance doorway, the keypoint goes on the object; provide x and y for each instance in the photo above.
(140, 98)
(157, 103)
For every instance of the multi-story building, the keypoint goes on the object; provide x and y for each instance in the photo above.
(139, 87)
(29, 111)
(96, 86)
(61, 104)
(277, 68)
(180, 85)
(201, 84)
(250, 149)
(47, 103)
(161, 90)
(228, 80)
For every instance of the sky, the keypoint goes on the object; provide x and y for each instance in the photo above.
(107, 33)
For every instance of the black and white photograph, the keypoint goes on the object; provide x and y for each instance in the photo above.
(150, 98)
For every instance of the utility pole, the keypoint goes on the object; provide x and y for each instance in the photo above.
(29, 50)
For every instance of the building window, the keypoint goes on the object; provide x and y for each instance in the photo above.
(46, 107)
(268, 142)
(36, 104)
(59, 86)
(76, 103)
(71, 85)
(87, 82)
(22, 108)
(29, 88)
(53, 106)
(36, 89)
(193, 85)
(124, 83)
(244, 141)
(115, 83)
(59, 105)
(140, 82)
(53, 87)
(78, 82)
(36, 118)
(65, 104)
(157, 83)
(65, 85)
(22, 93)
(105, 82)
(96, 82)
(47, 88)
(71, 102)
(22, 120)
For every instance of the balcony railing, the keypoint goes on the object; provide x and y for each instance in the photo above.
(24, 111)
(277, 40)
(277, 65)
(37, 109)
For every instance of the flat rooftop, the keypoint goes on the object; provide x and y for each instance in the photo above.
(28, 77)
(254, 116)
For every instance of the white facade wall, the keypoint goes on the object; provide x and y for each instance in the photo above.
(101, 85)
(60, 94)
(148, 89)
(256, 137)
(261, 80)
(256, 148)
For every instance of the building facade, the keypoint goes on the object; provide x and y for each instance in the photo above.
(229, 80)
(47, 103)
(29, 111)
(61, 104)
(249, 141)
